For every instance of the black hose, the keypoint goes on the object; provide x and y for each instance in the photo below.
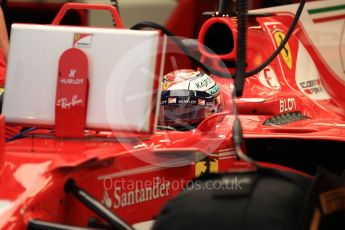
(242, 8)
(282, 44)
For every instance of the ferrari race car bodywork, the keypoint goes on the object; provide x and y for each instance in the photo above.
(292, 113)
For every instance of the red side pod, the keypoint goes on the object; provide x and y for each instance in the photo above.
(71, 94)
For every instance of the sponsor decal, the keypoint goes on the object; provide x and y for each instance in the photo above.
(71, 80)
(186, 101)
(196, 81)
(82, 40)
(307, 76)
(166, 85)
(172, 100)
(312, 87)
(127, 194)
(169, 77)
(72, 73)
(286, 52)
(181, 75)
(268, 78)
(67, 104)
(329, 38)
(286, 105)
(213, 90)
(203, 83)
(326, 14)
(205, 166)
(201, 102)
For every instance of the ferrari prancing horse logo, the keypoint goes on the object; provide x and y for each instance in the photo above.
(286, 52)
(82, 40)
(205, 166)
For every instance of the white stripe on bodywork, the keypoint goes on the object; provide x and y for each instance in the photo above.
(148, 168)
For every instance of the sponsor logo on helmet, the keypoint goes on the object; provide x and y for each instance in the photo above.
(172, 100)
(201, 102)
(214, 90)
(203, 83)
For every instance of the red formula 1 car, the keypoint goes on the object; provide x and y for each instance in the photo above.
(97, 162)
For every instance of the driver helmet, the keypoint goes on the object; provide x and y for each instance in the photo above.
(188, 97)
